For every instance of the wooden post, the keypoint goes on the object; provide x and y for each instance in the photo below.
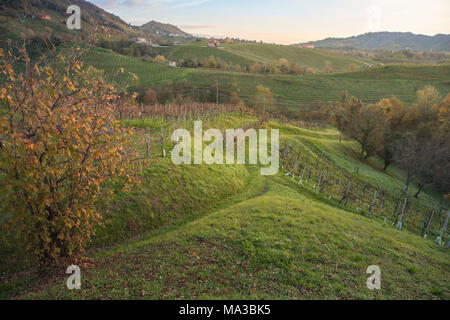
(428, 224)
(372, 204)
(303, 173)
(347, 192)
(307, 177)
(148, 145)
(444, 228)
(163, 152)
(400, 220)
(264, 105)
(217, 92)
(320, 179)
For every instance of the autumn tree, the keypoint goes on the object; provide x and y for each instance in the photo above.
(149, 96)
(328, 67)
(421, 159)
(59, 145)
(394, 113)
(365, 124)
(264, 97)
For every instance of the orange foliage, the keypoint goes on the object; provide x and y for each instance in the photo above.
(59, 144)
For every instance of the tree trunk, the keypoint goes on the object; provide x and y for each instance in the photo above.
(405, 188)
(420, 190)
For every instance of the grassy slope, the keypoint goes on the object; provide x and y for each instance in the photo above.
(273, 239)
(192, 51)
(320, 88)
(326, 144)
(275, 244)
(149, 74)
(370, 85)
(247, 54)
(312, 58)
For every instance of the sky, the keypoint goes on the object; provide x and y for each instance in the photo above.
(287, 21)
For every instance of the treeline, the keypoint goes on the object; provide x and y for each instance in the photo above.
(283, 66)
(406, 54)
(178, 92)
(414, 138)
(128, 48)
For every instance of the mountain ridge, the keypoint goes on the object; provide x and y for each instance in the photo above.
(386, 40)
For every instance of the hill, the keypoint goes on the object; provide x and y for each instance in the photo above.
(162, 30)
(20, 16)
(25, 10)
(312, 58)
(261, 237)
(243, 55)
(389, 41)
(370, 85)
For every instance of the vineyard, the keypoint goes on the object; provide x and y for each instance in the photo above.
(312, 58)
(307, 165)
(148, 74)
(278, 223)
(293, 92)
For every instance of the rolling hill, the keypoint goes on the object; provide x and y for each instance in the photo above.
(303, 57)
(255, 237)
(370, 85)
(162, 30)
(389, 41)
(247, 54)
(20, 16)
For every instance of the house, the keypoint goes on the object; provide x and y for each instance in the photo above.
(44, 17)
(213, 43)
(141, 41)
(309, 46)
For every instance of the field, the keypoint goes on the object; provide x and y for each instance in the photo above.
(303, 57)
(230, 233)
(191, 51)
(244, 54)
(148, 73)
(370, 85)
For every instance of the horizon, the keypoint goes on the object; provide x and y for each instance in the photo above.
(286, 22)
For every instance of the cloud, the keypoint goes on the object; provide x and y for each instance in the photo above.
(106, 4)
(147, 4)
(196, 27)
(134, 3)
(186, 3)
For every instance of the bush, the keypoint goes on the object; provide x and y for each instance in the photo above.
(59, 144)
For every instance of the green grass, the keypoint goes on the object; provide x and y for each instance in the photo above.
(370, 85)
(149, 74)
(325, 143)
(231, 233)
(308, 90)
(303, 57)
(190, 51)
(244, 54)
(278, 244)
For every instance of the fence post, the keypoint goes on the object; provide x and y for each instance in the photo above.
(320, 179)
(163, 152)
(400, 220)
(148, 144)
(428, 224)
(444, 228)
(372, 204)
(300, 181)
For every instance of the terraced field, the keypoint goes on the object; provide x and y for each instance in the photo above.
(295, 91)
(312, 58)
(149, 74)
